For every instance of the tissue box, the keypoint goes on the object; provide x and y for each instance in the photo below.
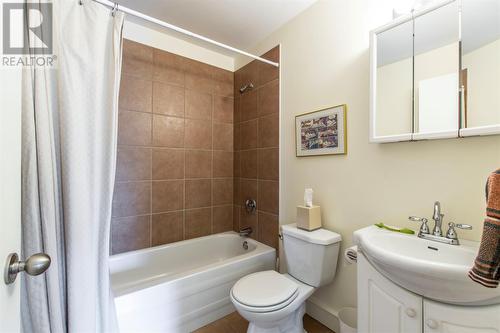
(308, 218)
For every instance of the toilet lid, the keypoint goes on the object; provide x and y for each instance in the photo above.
(264, 289)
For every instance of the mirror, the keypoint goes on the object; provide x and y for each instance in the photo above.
(480, 71)
(394, 84)
(436, 73)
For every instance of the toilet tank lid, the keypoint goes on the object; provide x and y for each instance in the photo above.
(319, 236)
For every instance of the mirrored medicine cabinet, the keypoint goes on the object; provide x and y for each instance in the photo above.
(435, 73)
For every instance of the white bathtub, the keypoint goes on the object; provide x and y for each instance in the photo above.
(183, 286)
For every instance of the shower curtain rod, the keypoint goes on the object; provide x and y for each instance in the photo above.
(132, 12)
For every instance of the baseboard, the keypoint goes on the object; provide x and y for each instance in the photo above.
(322, 313)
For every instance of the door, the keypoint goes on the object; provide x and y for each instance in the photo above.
(10, 191)
(384, 307)
(445, 318)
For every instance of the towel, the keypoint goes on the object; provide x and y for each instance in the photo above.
(486, 269)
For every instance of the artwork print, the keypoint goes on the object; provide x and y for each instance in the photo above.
(321, 132)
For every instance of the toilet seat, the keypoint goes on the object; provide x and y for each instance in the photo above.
(266, 291)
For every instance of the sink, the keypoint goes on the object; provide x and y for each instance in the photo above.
(434, 270)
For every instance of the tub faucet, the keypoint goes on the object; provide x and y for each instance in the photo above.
(438, 219)
(246, 232)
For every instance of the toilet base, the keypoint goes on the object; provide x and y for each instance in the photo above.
(290, 324)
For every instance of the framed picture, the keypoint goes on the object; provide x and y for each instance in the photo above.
(322, 132)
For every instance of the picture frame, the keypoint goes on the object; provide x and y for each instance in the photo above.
(322, 132)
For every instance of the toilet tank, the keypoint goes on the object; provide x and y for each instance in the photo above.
(311, 256)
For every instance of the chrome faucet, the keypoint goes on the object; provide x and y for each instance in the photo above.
(437, 233)
(438, 219)
(246, 232)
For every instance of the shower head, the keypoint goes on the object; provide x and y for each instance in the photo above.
(246, 87)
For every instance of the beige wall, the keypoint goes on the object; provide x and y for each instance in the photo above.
(325, 61)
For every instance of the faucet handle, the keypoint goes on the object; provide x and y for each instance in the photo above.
(463, 226)
(417, 219)
(452, 234)
(424, 228)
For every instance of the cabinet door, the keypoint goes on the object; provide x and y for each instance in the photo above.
(445, 318)
(384, 307)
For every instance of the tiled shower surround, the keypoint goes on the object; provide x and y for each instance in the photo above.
(256, 145)
(175, 163)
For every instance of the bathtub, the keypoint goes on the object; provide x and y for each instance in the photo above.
(183, 286)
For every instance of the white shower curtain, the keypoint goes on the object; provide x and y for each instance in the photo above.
(69, 138)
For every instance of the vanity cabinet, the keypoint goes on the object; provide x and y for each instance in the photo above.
(446, 318)
(384, 307)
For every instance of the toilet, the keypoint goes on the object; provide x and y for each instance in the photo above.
(274, 302)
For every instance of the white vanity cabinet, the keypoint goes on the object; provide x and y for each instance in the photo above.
(446, 318)
(384, 307)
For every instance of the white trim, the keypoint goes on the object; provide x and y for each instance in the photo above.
(432, 7)
(394, 23)
(281, 144)
(323, 313)
(373, 85)
(181, 30)
(480, 130)
(408, 17)
(391, 138)
(451, 134)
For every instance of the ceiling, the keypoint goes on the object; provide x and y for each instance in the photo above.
(238, 23)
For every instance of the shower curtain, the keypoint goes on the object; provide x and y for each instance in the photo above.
(69, 138)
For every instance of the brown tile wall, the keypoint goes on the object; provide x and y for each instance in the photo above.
(174, 177)
(256, 148)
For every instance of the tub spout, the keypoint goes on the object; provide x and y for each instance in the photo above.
(245, 232)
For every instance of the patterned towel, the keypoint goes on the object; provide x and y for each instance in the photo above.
(486, 270)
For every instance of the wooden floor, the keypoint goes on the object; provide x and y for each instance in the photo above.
(234, 323)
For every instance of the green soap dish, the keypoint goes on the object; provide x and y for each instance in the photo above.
(395, 229)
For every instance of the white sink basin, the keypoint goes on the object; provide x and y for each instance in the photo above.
(431, 269)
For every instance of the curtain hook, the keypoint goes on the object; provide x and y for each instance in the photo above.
(115, 9)
(80, 2)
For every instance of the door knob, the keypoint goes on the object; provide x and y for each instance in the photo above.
(411, 312)
(432, 324)
(34, 265)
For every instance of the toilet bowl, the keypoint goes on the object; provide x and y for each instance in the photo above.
(274, 302)
(278, 308)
